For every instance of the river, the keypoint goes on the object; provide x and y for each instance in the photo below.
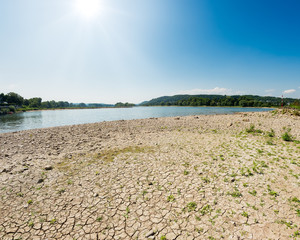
(54, 118)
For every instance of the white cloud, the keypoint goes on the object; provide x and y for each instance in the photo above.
(289, 91)
(216, 90)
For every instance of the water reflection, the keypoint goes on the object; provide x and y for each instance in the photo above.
(42, 119)
(19, 121)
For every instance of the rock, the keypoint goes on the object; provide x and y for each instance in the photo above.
(48, 168)
(40, 180)
(149, 234)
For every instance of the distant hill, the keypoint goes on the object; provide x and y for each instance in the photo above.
(218, 100)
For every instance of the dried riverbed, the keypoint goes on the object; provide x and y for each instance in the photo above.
(196, 177)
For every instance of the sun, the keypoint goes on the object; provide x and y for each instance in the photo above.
(88, 8)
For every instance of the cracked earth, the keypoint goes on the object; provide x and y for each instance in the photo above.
(195, 177)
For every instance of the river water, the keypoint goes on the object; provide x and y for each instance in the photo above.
(54, 118)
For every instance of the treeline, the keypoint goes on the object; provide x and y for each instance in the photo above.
(12, 101)
(120, 104)
(219, 100)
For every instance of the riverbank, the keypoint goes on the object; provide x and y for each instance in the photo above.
(194, 177)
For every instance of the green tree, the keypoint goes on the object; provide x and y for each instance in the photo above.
(35, 102)
(14, 99)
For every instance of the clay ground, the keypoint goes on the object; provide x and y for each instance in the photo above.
(196, 177)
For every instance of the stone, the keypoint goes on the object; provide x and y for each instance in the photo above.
(40, 180)
(48, 168)
(149, 234)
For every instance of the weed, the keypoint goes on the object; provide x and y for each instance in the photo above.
(235, 193)
(163, 237)
(30, 224)
(205, 179)
(99, 219)
(191, 206)
(253, 192)
(171, 198)
(294, 199)
(287, 137)
(288, 224)
(253, 130)
(245, 214)
(30, 201)
(296, 234)
(271, 192)
(53, 221)
(20, 194)
(144, 192)
(205, 209)
(271, 133)
(185, 172)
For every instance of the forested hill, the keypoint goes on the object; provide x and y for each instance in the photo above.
(218, 100)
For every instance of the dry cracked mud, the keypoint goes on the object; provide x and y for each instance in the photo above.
(195, 177)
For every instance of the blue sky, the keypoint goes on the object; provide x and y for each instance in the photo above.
(132, 50)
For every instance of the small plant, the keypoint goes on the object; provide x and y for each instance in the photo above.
(52, 221)
(30, 224)
(206, 179)
(296, 200)
(185, 172)
(205, 209)
(99, 219)
(29, 201)
(260, 151)
(144, 192)
(287, 137)
(171, 198)
(163, 237)
(245, 214)
(70, 182)
(253, 130)
(20, 194)
(253, 192)
(271, 192)
(271, 133)
(298, 212)
(296, 234)
(235, 193)
(191, 206)
(127, 212)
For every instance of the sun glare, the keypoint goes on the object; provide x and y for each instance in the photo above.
(88, 8)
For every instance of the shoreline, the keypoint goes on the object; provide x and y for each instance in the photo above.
(202, 176)
(233, 113)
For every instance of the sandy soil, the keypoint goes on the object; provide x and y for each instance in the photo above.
(196, 177)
